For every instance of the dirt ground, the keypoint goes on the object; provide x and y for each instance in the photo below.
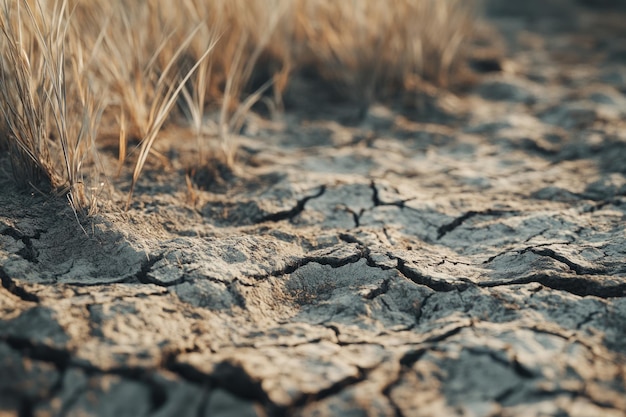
(462, 258)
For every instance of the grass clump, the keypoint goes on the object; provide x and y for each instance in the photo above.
(76, 73)
(50, 121)
(370, 49)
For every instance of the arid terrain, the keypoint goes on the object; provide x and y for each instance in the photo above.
(461, 257)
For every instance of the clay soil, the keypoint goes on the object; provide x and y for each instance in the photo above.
(465, 256)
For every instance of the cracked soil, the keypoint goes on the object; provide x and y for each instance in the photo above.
(465, 260)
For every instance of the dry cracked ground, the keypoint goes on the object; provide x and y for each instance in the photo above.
(464, 259)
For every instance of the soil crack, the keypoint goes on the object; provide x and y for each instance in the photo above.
(334, 389)
(62, 360)
(573, 285)
(293, 212)
(449, 227)
(226, 375)
(578, 269)
(59, 357)
(10, 285)
(146, 267)
(421, 279)
(378, 202)
(28, 252)
(328, 260)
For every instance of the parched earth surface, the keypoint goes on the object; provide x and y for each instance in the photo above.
(465, 258)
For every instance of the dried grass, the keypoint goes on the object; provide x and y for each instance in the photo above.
(370, 49)
(49, 136)
(68, 64)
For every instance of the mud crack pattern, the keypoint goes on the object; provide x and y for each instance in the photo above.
(471, 263)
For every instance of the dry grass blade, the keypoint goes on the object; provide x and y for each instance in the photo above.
(247, 44)
(161, 109)
(23, 103)
(195, 100)
(50, 134)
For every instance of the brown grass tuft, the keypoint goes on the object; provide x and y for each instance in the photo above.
(49, 137)
(68, 64)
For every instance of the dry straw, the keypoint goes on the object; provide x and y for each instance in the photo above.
(49, 135)
(76, 73)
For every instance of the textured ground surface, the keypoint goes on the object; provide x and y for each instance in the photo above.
(466, 260)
